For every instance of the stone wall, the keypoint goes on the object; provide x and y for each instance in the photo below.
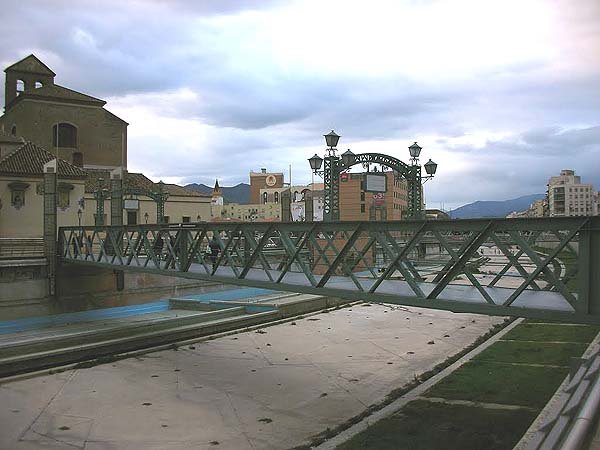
(24, 289)
(101, 136)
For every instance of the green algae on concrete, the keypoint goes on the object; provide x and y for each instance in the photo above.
(423, 425)
(490, 382)
(554, 332)
(551, 354)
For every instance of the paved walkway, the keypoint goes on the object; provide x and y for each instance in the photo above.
(268, 389)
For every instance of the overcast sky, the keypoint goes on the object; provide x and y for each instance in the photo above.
(501, 94)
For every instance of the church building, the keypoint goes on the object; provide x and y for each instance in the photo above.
(71, 125)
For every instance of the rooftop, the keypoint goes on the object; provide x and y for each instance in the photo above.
(137, 182)
(29, 160)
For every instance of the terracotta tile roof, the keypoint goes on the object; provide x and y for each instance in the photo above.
(136, 182)
(29, 160)
(56, 92)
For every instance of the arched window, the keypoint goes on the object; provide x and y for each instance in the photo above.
(13, 130)
(265, 198)
(276, 197)
(64, 135)
(20, 86)
(78, 159)
(38, 84)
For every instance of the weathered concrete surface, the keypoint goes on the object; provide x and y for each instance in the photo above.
(267, 389)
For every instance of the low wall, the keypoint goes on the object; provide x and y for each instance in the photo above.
(24, 290)
(81, 287)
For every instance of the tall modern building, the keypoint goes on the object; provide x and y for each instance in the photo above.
(568, 196)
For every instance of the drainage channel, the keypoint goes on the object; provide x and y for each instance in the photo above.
(183, 319)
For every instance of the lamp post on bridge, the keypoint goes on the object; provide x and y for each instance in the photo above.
(335, 165)
(415, 191)
(100, 194)
(160, 197)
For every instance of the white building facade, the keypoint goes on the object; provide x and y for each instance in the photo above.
(569, 197)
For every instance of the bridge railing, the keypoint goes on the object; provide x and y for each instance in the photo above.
(529, 267)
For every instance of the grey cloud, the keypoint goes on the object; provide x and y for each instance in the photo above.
(519, 165)
(269, 117)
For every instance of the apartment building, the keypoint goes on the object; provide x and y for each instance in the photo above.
(568, 196)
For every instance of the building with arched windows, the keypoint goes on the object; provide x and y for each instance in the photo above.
(71, 125)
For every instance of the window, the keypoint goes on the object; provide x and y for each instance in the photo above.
(276, 197)
(186, 219)
(63, 197)
(13, 130)
(17, 193)
(64, 135)
(20, 86)
(131, 217)
(265, 198)
(78, 159)
(38, 84)
(362, 208)
(166, 219)
(362, 196)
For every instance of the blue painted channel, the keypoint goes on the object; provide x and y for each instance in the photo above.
(34, 323)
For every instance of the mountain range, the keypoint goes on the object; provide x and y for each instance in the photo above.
(494, 208)
(239, 193)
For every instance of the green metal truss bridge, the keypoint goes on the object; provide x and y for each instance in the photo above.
(541, 268)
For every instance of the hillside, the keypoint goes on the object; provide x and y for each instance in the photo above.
(234, 194)
(494, 208)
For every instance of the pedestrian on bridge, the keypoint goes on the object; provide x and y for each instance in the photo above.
(214, 251)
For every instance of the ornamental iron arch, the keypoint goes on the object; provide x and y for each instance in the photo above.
(334, 166)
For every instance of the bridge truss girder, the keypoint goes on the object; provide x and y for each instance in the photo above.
(543, 268)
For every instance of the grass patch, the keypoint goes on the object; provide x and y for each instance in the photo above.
(423, 425)
(485, 381)
(531, 353)
(546, 332)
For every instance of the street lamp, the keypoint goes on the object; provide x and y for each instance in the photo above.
(330, 173)
(430, 167)
(79, 214)
(347, 158)
(415, 151)
(331, 139)
(315, 162)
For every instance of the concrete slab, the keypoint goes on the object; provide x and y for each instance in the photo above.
(267, 389)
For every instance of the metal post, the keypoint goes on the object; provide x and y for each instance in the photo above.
(183, 249)
(100, 195)
(309, 214)
(331, 198)
(160, 199)
(335, 190)
(116, 196)
(415, 197)
(116, 217)
(50, 250)
(286, 206)
(589, 265)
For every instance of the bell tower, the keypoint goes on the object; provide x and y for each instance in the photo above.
(25, 75)
(217, 195)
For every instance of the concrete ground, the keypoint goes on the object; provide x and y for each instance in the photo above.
(272, 388)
